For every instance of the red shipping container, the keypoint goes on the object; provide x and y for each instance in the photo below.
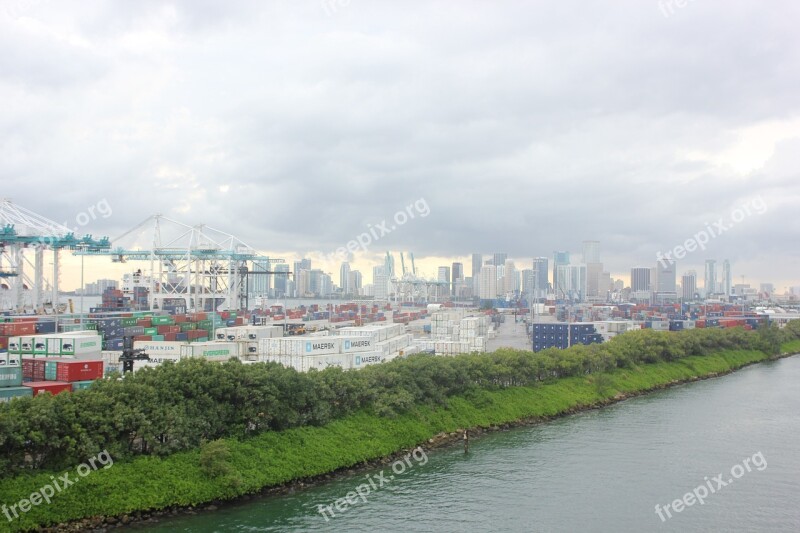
(144, 323)
(180, 319)
(170, 336)
(3, 343)
(33, 369)
(16, 329)
(78, 370)
(225, 315)
(196, 334)
(143, 338)
(53, 387)
(163, 329)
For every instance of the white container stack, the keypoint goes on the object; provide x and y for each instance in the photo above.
(453, 332)
(248, 333)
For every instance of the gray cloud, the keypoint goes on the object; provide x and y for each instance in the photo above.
(527, 127)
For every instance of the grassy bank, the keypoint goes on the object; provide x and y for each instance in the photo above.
(229, 468)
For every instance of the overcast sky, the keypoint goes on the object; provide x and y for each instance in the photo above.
(526, 127)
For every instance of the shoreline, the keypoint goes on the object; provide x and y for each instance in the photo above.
(440, 440)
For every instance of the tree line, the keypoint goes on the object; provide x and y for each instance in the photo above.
(178, 406)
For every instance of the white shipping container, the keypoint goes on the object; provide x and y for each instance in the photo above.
(160, 348)
(367, 358)
(357, 344)
(211, 350)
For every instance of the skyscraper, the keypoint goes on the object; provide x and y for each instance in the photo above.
(344, 278)
(726, 279)
(666, 281)
(488, 282)
(640, 279)
(458, 277)
(281, 279)
(509, 278)
(356, 282)
(710, 282)
(559, 259)
(689, 285)
(499, 259)
(541, 283)
(477, 263)
(444, 275)
(380, 282)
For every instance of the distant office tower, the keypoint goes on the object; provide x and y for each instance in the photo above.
(477, 263)
(593, 273)
(380, 283)
(541, 283)
(281, 279)
(499, 258)
(591, 252)
(488, 282)
(260, 283)
(444, 275)
(509, 278)
(640, 279)
(710, 282)
(458, 277)
(559, 259)
(303, 283)
(344, 278)
(355, 282)
(666, 280)
(572, 282)
(527, 283)
(324, 284)
(689, 285)
(726, 279)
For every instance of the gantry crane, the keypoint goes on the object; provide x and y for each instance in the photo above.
(22, 231)
(205, 267)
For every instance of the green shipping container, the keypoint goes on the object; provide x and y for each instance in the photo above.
(128, 322)
(163, 321)
(9, 393)
(90, 325)
(81, 385)
(157, 337)
(11, 376)
(50, 370)
(188, 326)
(150, 331)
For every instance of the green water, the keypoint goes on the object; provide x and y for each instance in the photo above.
(602, 470)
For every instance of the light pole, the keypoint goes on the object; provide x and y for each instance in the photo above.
(83, 290)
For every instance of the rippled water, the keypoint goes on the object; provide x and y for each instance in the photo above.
(602, 470)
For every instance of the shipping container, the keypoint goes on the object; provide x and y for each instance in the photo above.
(10, 376)
(53, 387)
(213, 350)
(9, 393)
(82, 385)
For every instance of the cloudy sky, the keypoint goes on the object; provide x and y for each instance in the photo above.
(524, 127)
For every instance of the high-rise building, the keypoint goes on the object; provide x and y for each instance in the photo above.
(355, 282)
(509, 278)
(689, 285)
(666, 281)
(458, 276)
(710, 281)
(593, 273)
(488, 282)
(281, 279)
(591, 252)
(443, 275)
(344, 278)
(572, 282)
(477, 263)
(640, 279)
(380, 283)
(541, 283)
(499, 258)
(726, 279)
(559, 259)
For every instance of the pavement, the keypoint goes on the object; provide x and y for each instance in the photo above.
(509, 335)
